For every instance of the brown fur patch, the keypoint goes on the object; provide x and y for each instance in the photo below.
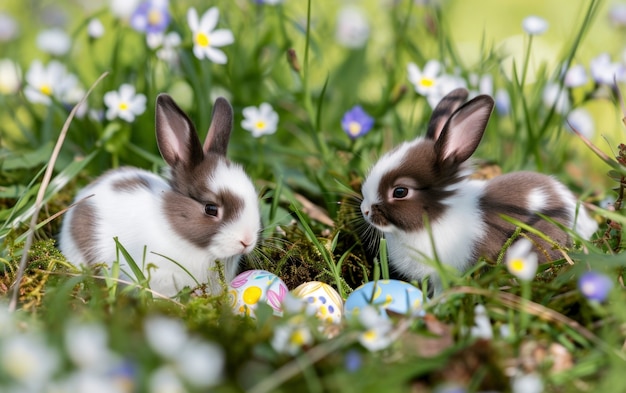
(83, 229)
(508, 195)
(431, 181)
(184, 205)
(130, 184)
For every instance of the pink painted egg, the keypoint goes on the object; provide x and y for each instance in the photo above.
(252, 287)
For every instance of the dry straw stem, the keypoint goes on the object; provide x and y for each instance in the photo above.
(40, 194)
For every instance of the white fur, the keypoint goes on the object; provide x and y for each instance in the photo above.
(461, 225)
(537, 199)
(385, 164)
(582, 223)
(136, 219)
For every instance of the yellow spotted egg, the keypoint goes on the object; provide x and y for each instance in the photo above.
(323, 298)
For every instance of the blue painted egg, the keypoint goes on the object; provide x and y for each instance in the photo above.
(394, 295)
(251, 287)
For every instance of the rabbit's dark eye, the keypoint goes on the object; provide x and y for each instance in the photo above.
(210, 210)
(400, 192)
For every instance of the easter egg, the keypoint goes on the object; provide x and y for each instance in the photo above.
(323, 298)
(394, 295)
(252, 287)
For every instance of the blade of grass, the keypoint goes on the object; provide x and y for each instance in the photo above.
(40, 195)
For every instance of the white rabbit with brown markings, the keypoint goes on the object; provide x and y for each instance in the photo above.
(428, 178)
(207, 211)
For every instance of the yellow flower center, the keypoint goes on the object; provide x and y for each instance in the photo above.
(298, 338)
(369, 335)
(203, 40)
(427, 82)
(260, 124)
(123, 106)
(46, 89)
(517, 265)
(154, 17)
(354, 128)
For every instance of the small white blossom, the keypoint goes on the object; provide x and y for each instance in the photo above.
(167, 47)
(503, 102)
(206, 39)
(291, 337)
(54, 41)
(526, 383)
(604, 71)
(534, 25)
(521, 261)
(124, 103)
(200, 363)
(482, 324)
(260, 121)
(10, 76)
(95, 28)
(45, 82)
(425, 81)
(157, 327)
(123, 9)
(617, 14)
(87, 346)
(8, 27)
(377, 329)
(165, 380)
(27, 359)
(353, 28)
(581, 120)
(556, 96)
(445, 84)
(576, 76)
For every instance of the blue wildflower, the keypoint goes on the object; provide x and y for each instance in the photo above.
(595, 286)
(151, 17)
(353, 360)
(356, 122)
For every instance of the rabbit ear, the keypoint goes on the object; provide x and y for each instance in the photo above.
(444, 110)
(176, 136)
(463, 131)
(221, 126)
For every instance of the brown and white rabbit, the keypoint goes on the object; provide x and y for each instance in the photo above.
(208, 210)
(428, 177)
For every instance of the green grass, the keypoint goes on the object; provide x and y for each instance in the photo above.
(308, 174)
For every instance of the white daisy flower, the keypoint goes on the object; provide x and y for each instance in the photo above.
(444, 85)
(27, 359)
(157, 327)
(425, 81)
(206, 39)
(95, 28)
(377, 330)
(9, 29)
(534, 25)
(604, 71)
(291, 338)
(353, 28)
(200, 363)
(165, 380)
(521, 261)
(124, 103)
(10, 76)
(260, 121)
(87, 346)
(482, 324)
(45, 82)
(54, 41)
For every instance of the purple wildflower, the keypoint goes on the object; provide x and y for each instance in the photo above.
(595, 286)
(151, 17)
(356, 122)
(353, 360)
